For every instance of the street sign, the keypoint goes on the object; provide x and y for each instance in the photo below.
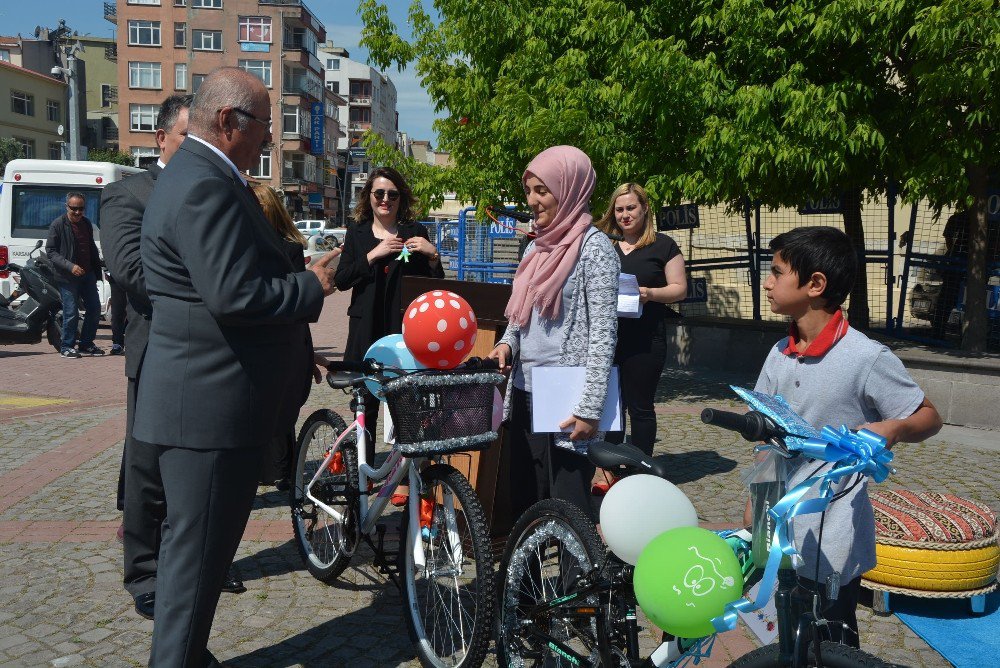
(316, 127)
(832, 204)
(358, 152)
(681, 217)
(697, 291)
(354, 169)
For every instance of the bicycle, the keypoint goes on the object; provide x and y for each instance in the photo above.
(445, 558)
(565, 600)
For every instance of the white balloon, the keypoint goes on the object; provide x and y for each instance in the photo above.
(639, 508)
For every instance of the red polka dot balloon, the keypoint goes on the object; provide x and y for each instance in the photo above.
(439, 328)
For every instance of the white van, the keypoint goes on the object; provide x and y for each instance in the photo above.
(33, 194)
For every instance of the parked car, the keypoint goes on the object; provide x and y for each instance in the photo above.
(312, 227)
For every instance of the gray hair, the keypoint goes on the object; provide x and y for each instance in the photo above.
(223, 87)
(73, 194)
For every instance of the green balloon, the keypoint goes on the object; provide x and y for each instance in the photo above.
(684, 577)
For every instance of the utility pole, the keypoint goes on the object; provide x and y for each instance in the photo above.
(64, 34)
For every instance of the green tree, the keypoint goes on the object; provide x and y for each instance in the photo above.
(110, 155)
(10, 149)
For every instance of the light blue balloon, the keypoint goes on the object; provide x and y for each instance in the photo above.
(391, 351)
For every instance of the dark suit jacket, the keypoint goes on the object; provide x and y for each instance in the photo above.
(225, 342)
(369, 305)
(122, 205)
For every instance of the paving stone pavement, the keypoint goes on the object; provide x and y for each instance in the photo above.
(60, 567)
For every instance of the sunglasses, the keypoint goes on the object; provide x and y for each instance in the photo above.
(76, 209)
(244, 112)
(391, 195)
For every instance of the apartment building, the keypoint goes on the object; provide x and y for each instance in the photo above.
(32, 110)
(370, 104)
(100, 55)
(169, 46)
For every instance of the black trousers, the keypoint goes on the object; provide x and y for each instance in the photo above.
(144, 506)
(640, 359)
(843, 611)
(118, 316)
(209, 496)
(540, 470)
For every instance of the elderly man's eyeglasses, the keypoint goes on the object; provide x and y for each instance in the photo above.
(244, 112)
(391, 195)
(76, 209)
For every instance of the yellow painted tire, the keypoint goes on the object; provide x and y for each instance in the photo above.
(935, 570)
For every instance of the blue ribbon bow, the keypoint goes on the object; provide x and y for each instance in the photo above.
(854, 452)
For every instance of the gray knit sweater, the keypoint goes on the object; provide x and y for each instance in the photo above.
(590, 328)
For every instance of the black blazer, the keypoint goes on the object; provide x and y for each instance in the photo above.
(122, 205)
(354, 273)
(225, 343)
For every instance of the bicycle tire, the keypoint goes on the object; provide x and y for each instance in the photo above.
(464, 595)
(325, 545)
(552, 522)
(834, 655)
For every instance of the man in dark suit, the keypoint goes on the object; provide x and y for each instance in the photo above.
(122, 206)
(224, 346)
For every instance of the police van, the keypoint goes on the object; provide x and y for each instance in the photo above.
(33, 194)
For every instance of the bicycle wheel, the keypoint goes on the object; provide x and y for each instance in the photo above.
(552, 544)
(449, 600)
(834, 655)
(325, 544)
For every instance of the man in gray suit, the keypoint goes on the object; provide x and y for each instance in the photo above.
(122, 206)
(224, 342)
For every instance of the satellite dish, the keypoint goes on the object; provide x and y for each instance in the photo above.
(60, 130)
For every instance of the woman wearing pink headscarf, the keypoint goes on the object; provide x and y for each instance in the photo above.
(562, 312)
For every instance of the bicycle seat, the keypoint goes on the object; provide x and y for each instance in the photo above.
(613, 456)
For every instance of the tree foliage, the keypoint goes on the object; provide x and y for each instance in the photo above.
(110, 155)
(10, 149)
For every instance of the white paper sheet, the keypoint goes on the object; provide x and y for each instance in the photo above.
(555, 391)
(629, 305)
(763, 622)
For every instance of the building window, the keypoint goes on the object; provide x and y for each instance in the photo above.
(55, 151)
(144, 75)
(53, 111)
(255, 29)
(259, 68)
(180, 76)
(180, 3)
(27, 146)
(143, 117)
(206, 40)
(361, 88)
(106, 95)
(333, 86)
(263, 168)
(290, 120)
(145, 154)
(206, 4)
(22, 103)
(143, 2)
(144, 33)
(180, 34)
(5, 55)
(196, 80)
(360, 115)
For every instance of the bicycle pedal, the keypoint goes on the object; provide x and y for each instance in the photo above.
(427, 533)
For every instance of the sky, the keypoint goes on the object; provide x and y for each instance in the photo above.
(343, 26)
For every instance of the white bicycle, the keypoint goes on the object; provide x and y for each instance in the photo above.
(445, 558)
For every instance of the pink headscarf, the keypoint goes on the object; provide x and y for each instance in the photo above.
(568, 174)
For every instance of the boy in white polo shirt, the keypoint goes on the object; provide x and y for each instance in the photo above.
(832, 374)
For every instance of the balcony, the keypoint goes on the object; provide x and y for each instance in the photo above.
(363, 100)
(111, 12)
(111, 52)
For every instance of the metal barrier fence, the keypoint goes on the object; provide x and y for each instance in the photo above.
(915, 280)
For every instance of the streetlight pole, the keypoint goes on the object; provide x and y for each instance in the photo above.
(74, 110)
(343, 191)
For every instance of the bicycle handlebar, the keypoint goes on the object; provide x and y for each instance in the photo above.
(753, 426)
(377, 370)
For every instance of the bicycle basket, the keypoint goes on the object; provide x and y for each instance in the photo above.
(438, 413)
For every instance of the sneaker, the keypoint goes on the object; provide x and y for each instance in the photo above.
(91, 351)
(117, 349)
(70, 354)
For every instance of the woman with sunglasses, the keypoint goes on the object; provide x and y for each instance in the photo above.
(373, 265)
(562, 312)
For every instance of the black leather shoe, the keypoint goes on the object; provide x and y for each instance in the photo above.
(233, 586)
(144, 604)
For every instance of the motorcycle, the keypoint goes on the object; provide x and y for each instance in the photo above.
(41, 310)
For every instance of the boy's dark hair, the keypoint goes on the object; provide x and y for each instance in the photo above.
(170, 110)
(826, 250)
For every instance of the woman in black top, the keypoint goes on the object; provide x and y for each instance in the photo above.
(656, 262)
(371, 266)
